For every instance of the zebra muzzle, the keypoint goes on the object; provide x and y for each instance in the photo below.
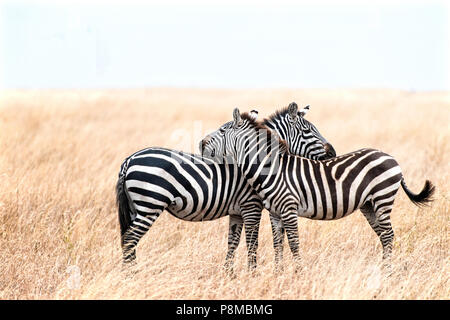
(329, 151)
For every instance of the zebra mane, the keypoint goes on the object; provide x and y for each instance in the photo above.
(276, 115)
(284, 149)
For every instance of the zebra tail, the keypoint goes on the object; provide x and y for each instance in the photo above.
(122, 203)
(424, 197)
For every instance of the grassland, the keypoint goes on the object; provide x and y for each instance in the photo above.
(59, 233)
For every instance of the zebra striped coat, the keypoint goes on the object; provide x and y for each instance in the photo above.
(194, 188)
(292, 186)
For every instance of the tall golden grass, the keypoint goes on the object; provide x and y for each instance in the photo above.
(59, 233)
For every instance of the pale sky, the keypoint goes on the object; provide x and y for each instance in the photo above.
(46, 45)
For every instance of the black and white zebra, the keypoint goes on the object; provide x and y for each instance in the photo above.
(292, 186)
(299, 134)
(194, 188)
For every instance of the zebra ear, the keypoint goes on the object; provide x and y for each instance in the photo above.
(292, 110)
(254, 114)
(304, 111)
(236, 117)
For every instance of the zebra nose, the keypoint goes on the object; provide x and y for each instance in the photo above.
(329, 150)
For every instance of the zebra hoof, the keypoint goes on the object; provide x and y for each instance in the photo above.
(279, 269)
(229, 271)
(297, 269)
(254, 272)
(129, 268)
(387, 270)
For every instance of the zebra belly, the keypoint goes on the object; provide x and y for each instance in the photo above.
(305, 213)
(207, 214)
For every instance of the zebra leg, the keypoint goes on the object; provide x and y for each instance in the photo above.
(234, 236)
(290, 224)
(278, 238)
(134, 233)
(380, 221)
(251, 222)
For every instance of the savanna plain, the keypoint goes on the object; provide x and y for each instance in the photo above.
(61, 150)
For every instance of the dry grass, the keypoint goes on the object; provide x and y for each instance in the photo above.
(60, 155)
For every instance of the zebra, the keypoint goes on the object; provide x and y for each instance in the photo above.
(196, 188)
(286, 123)
(299, 134)
(293, 186)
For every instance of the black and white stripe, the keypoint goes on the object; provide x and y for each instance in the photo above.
(192, 188)
(292, 186)
(301, 136)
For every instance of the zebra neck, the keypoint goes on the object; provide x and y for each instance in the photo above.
(259, 161)
(277, 128)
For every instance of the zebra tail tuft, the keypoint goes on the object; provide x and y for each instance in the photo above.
(123, 204)
(424, 197)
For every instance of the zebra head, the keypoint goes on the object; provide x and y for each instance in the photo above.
(225, 142)
(213, 146)
(301, 136)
